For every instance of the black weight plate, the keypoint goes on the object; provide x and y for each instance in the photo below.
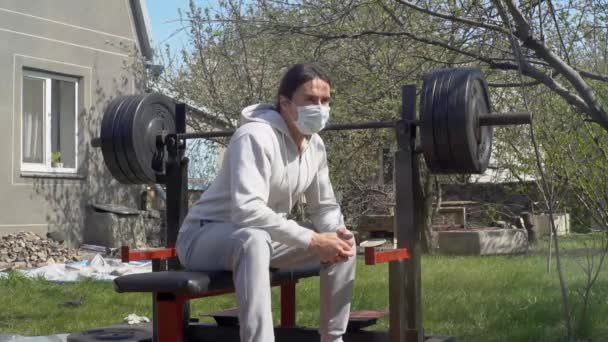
(462, 121)
(126, 334)
(119, 150)
(480, 105)
(426, 121)
(154, 114)
(126, 139)
(163, 121)
(432, 93)
(107, 139)
(117, 143)
(451, 102)
(473, 142)
(122, 137)
(440, 122)
(469, 98)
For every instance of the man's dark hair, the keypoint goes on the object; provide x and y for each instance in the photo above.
(298, 75)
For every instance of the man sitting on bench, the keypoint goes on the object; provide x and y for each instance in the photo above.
(240, 223)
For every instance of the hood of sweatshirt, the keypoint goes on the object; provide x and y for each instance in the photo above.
(267, 113)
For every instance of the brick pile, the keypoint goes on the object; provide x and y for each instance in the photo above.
(28, 250)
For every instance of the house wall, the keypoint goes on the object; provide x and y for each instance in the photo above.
(89, 40)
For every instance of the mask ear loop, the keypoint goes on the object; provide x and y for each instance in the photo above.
(290, 101)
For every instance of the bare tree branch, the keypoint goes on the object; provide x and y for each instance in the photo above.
(211, 119)
(523, 32)
(592, 75)
(528, 69)
(453, 18)
(513, 85)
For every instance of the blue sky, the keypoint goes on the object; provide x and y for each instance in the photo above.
(164, 20)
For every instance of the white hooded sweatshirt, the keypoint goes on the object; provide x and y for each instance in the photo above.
(262, 176)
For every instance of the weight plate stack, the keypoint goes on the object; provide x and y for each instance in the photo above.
(122, 136)
(129, 130)
(452, 140)
(108, 141)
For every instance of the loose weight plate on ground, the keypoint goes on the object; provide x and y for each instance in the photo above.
(117, 333)
(128, 136)
(452, 100)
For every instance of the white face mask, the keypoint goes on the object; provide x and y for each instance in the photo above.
(312, 118)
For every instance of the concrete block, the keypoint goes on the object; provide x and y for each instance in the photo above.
(451, 216)
(483, 242)
(376, 223)
(542, 224)
(112, 229)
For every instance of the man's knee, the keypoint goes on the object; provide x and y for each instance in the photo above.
(347, 267)
(351, 262)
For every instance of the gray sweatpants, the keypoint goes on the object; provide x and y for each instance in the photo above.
(249, 253)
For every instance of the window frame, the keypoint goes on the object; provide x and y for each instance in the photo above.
(47, 166)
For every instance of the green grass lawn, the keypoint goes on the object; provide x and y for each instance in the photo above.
(506, 298)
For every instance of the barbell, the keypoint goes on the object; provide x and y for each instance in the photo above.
(455, 127)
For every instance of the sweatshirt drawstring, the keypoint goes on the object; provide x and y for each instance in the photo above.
(314, 155)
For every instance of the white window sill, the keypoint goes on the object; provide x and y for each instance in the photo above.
(52, 174)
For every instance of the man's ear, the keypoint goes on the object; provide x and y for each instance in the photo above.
(285, 107)
(283, 102)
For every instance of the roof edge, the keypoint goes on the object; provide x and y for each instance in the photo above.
(143, 30)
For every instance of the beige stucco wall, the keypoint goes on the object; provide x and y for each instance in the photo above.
(89, 40)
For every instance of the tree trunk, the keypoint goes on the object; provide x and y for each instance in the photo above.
(428, 194)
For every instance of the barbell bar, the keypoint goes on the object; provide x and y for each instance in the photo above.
(493, 119)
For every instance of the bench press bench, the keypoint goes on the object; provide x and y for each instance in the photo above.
(172, 289)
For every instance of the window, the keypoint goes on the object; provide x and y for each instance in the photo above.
(49, 123)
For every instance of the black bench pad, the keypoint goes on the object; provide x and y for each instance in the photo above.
(198, 283)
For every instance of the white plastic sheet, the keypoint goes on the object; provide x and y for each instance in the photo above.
(19, 338)
(96, 268)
